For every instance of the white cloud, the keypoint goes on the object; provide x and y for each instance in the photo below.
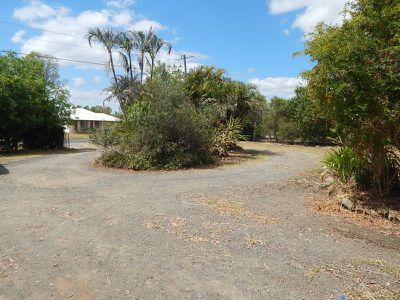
(286, 32)
(64, 36)
(18, 37)
(312, 11)
(145, 25)
(119, 3)
(194, 60)
(89, 97)
(123, 18)
(78, 82)
(96, 79)
(37, 10)
(277, 86)
(64, 33)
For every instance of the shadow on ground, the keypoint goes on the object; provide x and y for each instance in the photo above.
(4, 170)
(73, 150)
(260, 152)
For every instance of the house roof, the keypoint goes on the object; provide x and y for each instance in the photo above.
(81, 114)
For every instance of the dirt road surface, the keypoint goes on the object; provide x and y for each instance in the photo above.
(69, 230)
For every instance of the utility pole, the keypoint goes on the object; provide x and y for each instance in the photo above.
(184, 57)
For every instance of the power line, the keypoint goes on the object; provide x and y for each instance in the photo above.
(51, 42)
(59, 58)
(32, 27)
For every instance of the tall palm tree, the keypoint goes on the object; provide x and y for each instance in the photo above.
(154, 45)
(142, 46)
(107, 39)
(126, 41)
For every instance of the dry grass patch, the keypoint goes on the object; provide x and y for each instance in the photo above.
(235, 209)
(184, 229)
(78, 136)
(252, 242)
(379, 264)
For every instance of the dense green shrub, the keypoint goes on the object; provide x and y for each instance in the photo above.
(299, 119)
(34, 104)
(313, 126)
(105, 137)
(162, 130)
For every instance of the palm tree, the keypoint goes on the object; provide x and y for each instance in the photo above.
(142, 46)
(126, 41)
(105, 37)
(126, 92)
(155, 44)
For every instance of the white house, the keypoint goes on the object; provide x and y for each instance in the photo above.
(84, 121)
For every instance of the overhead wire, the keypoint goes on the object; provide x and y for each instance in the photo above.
(59, 58)
(68, 59)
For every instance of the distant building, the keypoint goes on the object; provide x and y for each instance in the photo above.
(84, 121)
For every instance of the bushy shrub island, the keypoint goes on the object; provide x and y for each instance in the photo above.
(164, 129)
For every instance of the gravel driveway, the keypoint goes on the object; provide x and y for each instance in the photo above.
(69, 230)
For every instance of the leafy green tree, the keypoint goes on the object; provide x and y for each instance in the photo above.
(279, 121)
(101, 109)
(313, 126)
(231, 99)
(356, 80)
(34, 103)
(206, 85)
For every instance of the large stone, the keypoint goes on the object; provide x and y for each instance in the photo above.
(347, 202)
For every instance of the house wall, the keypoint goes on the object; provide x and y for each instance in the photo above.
(87, 126)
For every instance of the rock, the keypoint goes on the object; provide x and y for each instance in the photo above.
(347, 202)
(327, 181)
(331, 190)
(391, 215)
(372, 212)
(383, 212)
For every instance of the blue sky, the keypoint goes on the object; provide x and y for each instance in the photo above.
(252, 40)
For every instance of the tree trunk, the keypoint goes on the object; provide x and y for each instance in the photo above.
(151, 69)
(113, 68)
(121, 104)
(130, 65)
(141, 68)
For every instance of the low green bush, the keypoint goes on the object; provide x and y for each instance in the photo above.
(227, 136)
(347, 165)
